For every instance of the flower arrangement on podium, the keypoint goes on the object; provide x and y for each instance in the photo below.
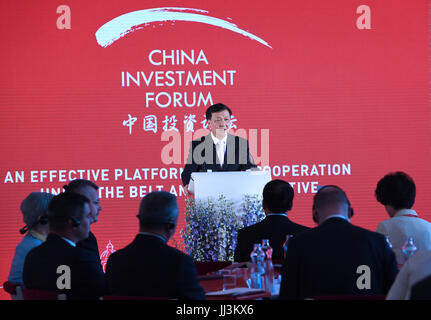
(212, 226)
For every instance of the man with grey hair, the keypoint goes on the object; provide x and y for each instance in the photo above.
(336, 258)
(148, 266)
(34, 210)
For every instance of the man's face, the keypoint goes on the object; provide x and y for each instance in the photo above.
(83, 230)
(93, 196)
(219, 123)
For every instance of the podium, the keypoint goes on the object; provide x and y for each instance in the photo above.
(232, 184)
(223, 203)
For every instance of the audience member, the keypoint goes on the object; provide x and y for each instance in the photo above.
(148, 266)
(69, 218)
(422, 290)
(34, 210)
(277, 201)
(414, 270)
(88, 189)
(336, 258)
(397, 191)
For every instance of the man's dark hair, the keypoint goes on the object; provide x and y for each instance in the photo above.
(397, 190)
(158, 208)
(278, 196)
(330, 195)
(76, 184)
(216, 108)
(63, 207)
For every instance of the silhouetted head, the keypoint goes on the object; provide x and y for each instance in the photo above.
(277, 196)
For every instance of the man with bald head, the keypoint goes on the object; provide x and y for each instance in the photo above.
(148, 266)
(336, 258)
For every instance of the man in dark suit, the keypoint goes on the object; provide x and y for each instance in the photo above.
(217, 151)
(336, 258)
(57, 265)
(421, 290)
(148, 266)
(277, 201)
(89, 190)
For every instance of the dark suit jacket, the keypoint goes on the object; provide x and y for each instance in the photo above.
(90, 247)
(324, 261)
(41, 263)
(149, 267)
(421, 290)
(274, 227)
(203, 156)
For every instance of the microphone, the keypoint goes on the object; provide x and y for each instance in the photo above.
(41, 220)
(24, 229)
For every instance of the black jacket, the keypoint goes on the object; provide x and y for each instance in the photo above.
(324, 261)
(273, 227)
(41, 263)
(421, 290)
(203, 156)
(149, 267)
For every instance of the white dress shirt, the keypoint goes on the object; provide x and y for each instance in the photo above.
(406, 223)
(415, 269)
(73, 244)
(220, 153)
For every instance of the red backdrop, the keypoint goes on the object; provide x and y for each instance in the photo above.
(327, 92)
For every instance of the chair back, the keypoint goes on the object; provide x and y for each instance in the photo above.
(14, 289)
(350, 297)
(34, 294)
(114, 297)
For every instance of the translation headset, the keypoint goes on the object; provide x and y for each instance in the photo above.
(171, 223)
(41, 220)
(75, 222)
(44, 220)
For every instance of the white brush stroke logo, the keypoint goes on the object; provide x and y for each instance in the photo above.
(132, 21)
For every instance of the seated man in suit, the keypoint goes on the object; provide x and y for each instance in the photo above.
(69, 222)
(88, 189)
(277, 201)
(148, 266)
(397, 192)
(219, 150)
(336, 258)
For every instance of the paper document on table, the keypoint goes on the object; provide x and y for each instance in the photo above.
(234, 292)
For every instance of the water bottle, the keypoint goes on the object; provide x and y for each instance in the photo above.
(409, 249)
(258, 270)
(269, 268)
(285, 244)
(265, 247)
(253, 254)
(388, 242)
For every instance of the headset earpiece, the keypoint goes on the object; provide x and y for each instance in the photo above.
(351, 212)
(43, 219)
(75, 222)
